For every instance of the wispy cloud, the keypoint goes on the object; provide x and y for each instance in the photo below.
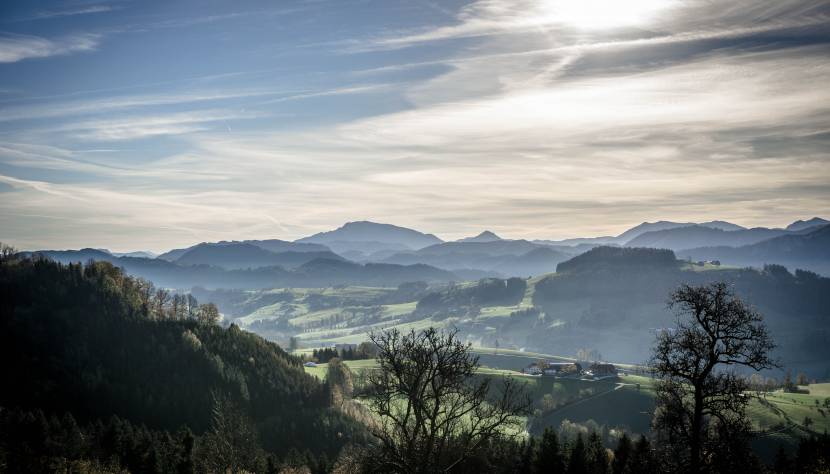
(328, 93)
(83, 10)
(570, 21)
(142, 126)
(14, 48)
(536, 123)
(117, 103)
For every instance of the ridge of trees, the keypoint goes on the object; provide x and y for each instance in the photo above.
(94, 342)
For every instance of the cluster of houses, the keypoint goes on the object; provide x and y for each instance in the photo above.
(570, 369)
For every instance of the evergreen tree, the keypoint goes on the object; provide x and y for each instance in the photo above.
(529, 457)
(642, 458)
(578, 459)
(549, 458)
(596, 454)
(782, 464)
(622, 455)
(186, 464)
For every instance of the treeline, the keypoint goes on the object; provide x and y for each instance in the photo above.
(610, 258)
(31, 441)
(365, 350)
(486, 292)
(586, 453)
(93, 342)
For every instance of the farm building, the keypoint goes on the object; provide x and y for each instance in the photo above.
(603, 370)
(310, 364)
(532, 369)
(553, 368)
(562, 368)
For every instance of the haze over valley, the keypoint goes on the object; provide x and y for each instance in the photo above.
(603, 293)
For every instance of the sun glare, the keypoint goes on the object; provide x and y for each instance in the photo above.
(603, 14)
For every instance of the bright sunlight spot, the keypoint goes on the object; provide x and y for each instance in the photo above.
(603, 14)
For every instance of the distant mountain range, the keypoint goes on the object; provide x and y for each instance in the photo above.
(808, 249)
(804, 225)
(639, 230)
(700, 236)
(316, 273)
(342, 256)
(503, 257)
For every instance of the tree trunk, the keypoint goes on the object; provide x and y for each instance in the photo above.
(697, 422)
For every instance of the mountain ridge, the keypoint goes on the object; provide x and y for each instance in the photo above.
(367, 231)
(485, 236)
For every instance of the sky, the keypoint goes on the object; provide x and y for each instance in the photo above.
(149, 125)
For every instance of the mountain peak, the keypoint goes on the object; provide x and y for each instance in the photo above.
(485, 236)
(366, 231)
(722, 225)
(801, 225)
(649, 227)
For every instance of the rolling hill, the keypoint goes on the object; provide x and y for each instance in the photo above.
(606, 300)
(271, 245)
(237, 255)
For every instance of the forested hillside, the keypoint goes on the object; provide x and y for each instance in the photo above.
(615, 298)
(91, 343)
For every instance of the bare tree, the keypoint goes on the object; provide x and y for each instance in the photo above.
(175, 306)
(699, 394)
(192, 306)
(160, 302)
(7, 252)
(145, 292)
(208, 313)
(432, 410)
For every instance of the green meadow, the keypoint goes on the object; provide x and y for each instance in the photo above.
(627, 402)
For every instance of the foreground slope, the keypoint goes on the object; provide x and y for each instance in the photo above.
(86, 340)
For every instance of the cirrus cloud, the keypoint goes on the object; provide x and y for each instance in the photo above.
(14, 48)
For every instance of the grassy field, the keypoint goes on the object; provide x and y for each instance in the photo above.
(628, 401)
(819, 389)
(353, 365)
(706, 267)
(622, 404)
(516, 360)
(489, 312)
(779, 410)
